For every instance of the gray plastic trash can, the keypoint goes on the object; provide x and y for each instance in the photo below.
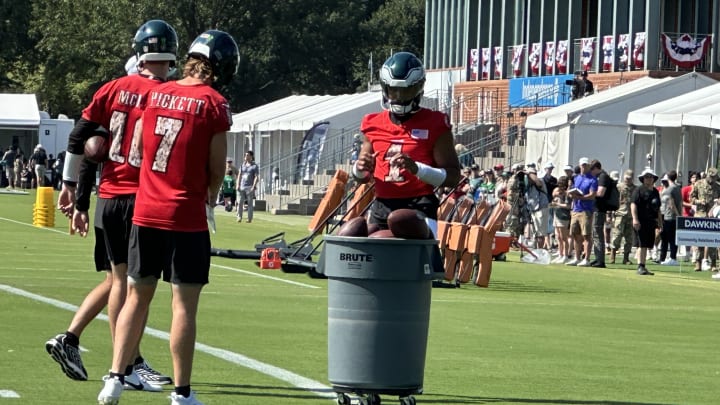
(378, 313)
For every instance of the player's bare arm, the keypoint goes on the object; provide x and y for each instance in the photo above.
(365, 163)
(216, 169)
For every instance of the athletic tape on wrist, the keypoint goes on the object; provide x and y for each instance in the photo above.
(71, 171)
(430, 175)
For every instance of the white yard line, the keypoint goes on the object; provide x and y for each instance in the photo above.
(315, 387)
(251, 273)
(246, 272)
(8, 394)
(33, 226)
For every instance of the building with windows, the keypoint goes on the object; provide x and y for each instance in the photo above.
(491, 63)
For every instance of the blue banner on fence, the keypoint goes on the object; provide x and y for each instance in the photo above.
(543, 91)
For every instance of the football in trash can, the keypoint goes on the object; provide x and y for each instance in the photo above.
(97, 148)
(407, 224)
(383, 233)
(354, 227)
(372, 228)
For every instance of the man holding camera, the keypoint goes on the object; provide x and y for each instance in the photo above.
(516, 198)
(581, 85)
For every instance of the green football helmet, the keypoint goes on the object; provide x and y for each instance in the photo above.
(402, 78)
(220, 49)
(155, 40)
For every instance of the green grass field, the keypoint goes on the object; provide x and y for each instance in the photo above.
(539, 335)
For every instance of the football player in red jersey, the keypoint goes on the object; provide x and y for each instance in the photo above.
(408, 149)
(116, 106)
(183, 147)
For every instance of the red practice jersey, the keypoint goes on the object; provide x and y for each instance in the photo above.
(178, 124)
(415, 137)
(117, 106)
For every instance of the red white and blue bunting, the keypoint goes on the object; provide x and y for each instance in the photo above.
(685, 51)
(586, 53)
(517, 59)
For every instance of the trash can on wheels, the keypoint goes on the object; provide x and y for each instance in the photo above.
(378, 315)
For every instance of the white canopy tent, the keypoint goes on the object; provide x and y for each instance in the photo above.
(596, 126)
(675, 133)
(276, 131)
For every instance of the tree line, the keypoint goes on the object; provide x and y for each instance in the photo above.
(64, 50)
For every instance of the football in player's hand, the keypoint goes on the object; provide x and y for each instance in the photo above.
(97, 148)
(354, 227)
(407, 224)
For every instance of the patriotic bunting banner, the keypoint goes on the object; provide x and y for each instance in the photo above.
(485, 63)
(561, 57)
(686, 51)
(608, 53)
(534, 58)
(517, 59)
(549, 56)
(474, 63)
(586, 53)
(623, 48)
(498, 62)
(639, 50)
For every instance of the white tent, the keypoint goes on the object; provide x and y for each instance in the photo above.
(19, 111)
(672, 134)
(275, 132)
(596, 126)
(23, 125)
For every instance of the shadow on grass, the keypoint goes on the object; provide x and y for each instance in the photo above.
(459, 399)
(513, 286)
(302, 394)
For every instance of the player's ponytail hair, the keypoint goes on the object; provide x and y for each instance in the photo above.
(199, 68)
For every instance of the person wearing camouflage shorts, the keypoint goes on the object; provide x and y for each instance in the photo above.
(622, 226)
(704, 194)
(515, 222)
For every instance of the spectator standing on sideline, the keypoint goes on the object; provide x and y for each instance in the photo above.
(601, 210)
(585, 187)
(646, 217)
(9, 163)
(155, 44)
(703, 196)
(170, 236)
(228, 189)
(408, 149)
(561, 204)
(537, 203)
(246, 186)
(550, 183)
(515, 196)
(38, 161)
(622, 222)
(475, 180)
(688, 252)
(670, 205)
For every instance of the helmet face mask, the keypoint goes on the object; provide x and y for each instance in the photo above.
(155, 41)
(220, 49)
(402, 78)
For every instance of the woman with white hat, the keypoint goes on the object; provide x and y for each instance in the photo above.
(646, 217)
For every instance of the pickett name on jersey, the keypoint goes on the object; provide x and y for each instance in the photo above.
(180, 103)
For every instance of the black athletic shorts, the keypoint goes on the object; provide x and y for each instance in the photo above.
(116, 215)
(645, 236)
(180, 257)
(102, 262)
(382, 207)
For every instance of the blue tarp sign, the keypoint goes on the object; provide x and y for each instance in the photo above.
(543, 91)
